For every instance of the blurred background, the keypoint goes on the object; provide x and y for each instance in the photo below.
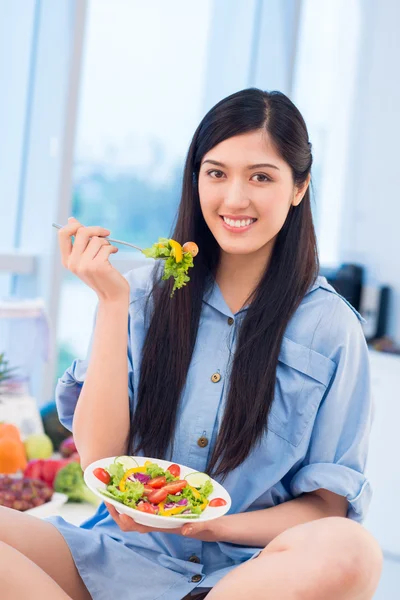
(99, 101)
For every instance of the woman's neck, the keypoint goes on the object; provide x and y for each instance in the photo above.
(238, 276)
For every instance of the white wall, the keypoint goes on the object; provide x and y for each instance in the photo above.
(371, 219)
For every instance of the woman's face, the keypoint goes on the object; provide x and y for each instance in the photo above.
(246, 190)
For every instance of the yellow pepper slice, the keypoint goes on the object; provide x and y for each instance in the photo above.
(122, 483)
(196, 494)
(204, 505)
(170, 511)
(176, 250)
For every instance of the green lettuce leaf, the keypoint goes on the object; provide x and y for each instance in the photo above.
(206, 489)
(154, 470)
(116, 471)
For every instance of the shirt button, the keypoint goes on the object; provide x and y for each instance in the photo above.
(194, 559)
(215, 377)
(202, 442)
(231, 321)
(196, 578)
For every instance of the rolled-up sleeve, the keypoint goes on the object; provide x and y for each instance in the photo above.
(338, 449)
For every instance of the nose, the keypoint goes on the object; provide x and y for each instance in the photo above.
(236, 196)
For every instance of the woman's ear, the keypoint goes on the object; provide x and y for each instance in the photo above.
(301, 191)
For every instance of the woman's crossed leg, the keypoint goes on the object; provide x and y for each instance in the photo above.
(35, 561)
(328, 559)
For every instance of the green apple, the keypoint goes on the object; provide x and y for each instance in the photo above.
(38, 445)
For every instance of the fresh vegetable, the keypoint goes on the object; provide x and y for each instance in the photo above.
(128, 462)
(197, 479)
(175, 470)
(157, 496)
(169, 512)
(47, 469)
(127, 475)
(161, 493)
(102, 474)
(67, 447)
(176, 250)
(69, 481)
(217, 502)
(175, 486)
(178, 260)
(12, 450)
(157, 482)
(146, 507)
(191, 247)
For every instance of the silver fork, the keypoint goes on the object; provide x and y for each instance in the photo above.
(109, 239)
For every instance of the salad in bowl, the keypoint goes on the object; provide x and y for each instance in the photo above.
(157, 493)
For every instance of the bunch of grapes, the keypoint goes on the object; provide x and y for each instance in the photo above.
(23, 494)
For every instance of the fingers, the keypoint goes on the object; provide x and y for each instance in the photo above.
(72, 228)
(105, 252)
(83, 235)
(84, 251)
(126, 523)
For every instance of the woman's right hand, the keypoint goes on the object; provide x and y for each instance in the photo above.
(88, 257)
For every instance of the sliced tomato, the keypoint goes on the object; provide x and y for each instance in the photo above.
(147, 508)
(158, 496)
(157, 482)
(217, 502)
(175, 470)
(147, 489)
(102, 474)
(175, 486)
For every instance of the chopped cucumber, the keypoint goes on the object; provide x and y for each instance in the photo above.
(128, 462)
(197, 479)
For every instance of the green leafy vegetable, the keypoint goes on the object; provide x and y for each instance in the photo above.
(132, 494)
(69, 481)
(173, 267)
(178, 270)
(154, 470)
(206, 489)
(116, 471)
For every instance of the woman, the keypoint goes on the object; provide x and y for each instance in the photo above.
(256, 371)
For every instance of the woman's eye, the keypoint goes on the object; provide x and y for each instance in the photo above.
(216, 174)
(261, 175)
(215, 171)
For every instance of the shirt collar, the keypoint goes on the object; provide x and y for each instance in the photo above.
(213, 296)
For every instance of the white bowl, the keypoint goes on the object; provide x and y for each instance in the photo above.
(156, 520)
(50, 508)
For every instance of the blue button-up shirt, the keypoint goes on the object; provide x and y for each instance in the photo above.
(317, 437)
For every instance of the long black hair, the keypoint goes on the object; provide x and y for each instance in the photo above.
(173, 327)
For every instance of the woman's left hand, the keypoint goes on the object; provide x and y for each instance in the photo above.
(204, 531)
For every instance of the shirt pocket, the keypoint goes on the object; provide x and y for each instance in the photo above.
(302, 377)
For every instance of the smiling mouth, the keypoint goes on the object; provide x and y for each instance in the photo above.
(238, 223)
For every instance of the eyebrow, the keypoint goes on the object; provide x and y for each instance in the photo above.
(258, 166)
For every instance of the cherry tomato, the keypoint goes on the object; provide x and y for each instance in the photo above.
(147, 508)
(157, 482)
(175, 470)
(191, 247)
(175, 486)
(158, 496)
(102, 474)
(217, 502)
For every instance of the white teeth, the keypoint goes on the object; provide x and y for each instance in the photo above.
(238, 223)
